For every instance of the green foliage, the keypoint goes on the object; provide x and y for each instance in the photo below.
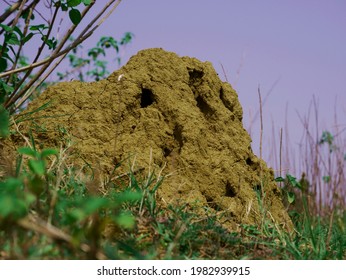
(327, 138)
(92, 67)
(4, 121)
(41, 30)
(14, 202)
(73, 216)
(19, 78)
(290, 186)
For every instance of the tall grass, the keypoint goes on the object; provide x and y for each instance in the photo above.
(326, 151)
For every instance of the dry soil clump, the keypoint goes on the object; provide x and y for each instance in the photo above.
(162, 110)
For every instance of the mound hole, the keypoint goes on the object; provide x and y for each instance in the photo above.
(195, 75)
(166, 152)
(211, 203)
(147, 98)
(230, 190)
(249, 161)
(204, 107)
(178, 136)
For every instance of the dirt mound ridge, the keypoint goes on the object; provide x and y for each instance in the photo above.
(164, 109)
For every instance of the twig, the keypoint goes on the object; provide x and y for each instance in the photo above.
(9, 11)
(29, 88)
(26, 27)
(255, 116)
(13, 24)
(224, 72)
(261, 139)
(23, 91)
(280, 157)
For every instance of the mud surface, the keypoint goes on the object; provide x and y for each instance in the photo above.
(170, 114)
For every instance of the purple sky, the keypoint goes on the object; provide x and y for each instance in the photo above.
(298, 45)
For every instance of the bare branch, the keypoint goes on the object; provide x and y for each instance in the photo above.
(9, 11)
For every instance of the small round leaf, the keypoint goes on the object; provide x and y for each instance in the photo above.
(3, 64)
(75, 16)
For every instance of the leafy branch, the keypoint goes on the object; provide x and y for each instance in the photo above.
(17, 84)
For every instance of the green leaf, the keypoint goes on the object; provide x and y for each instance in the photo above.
(11, 206)
(290, 197)
(27, 151)
(293, 181)
(51, 43)
(26, 14)
(95, 52)
(128, 196)
(279, 179)
(18, 31)
(77, 214)
(27, 37)
(3, 64)
(37, 166)
(14, 203)
(75, 16)
(6, 27)
(93, 204)
(125, 220)
(36, 185)
(12, 39)
(38, 27)
(73, 3)
(127, 38)
(48, 152)
(326, 179)
(10, 185)
(4, 90)
(64, 7)
(107, 42)
(86, 2)
(4, 122)
(5, 53)
(29, 198)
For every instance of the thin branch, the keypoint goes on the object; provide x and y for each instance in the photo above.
(82, 36)
(42, 62)
(255, 116)
(79, 39)
(26, 27)
(9, 11)
(27, 74)
(20, 11)
(45, 64)
(59, 52)
(224, 72)
(24, 11)
(13, 24)
(261, 140)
